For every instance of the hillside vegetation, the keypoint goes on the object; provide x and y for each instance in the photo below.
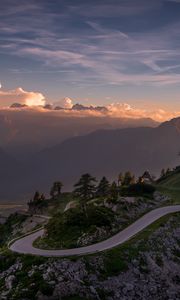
(100, 210)
(169, 184)
(145, 267)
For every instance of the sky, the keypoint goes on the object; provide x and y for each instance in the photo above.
(95, 52)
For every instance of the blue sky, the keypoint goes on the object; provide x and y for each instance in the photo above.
(95, 52)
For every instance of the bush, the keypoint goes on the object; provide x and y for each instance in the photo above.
(74, 217)
(97, 216)
(114, 263)
(138, 189)
(63, 230)
(7, 260)
(7, 227)
(46, 289)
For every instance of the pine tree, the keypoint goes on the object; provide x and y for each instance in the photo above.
(85, 187)
(36, 196)
(168, 171)
(114, 191)
(85, 190)
(103, 188)
(42, 197)
(163, 173)
(120, 179)
(128, 179)
(56, 189)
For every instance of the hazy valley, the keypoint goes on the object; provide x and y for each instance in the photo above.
(104, 151)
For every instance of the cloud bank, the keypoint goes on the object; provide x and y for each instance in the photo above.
(36, 101)
(126, 111)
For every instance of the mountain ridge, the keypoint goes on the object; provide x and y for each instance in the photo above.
(102, 152)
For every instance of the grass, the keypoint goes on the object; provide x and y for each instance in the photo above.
(58, 204)
(24, 287)
(174, 194)
(171, 180)
(64, 230)
(67, 240)
(8, 260)
(6, 229)
(116, 260)
(170, 186)
(29, 286)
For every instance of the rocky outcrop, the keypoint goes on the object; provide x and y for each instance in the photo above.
(159, 197)
(88, 239)
(125, 209)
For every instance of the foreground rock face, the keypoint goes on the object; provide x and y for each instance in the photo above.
(151, 273)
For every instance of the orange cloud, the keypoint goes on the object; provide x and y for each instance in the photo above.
(124, 110)
(36, 100)
(115, 110)
(21, 96)
(64, 103)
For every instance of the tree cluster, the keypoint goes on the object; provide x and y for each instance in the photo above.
(87, 188)
(165, 172)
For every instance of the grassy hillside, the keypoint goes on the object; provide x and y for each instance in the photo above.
(170, 185)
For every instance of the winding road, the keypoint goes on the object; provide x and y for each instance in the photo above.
(25, 244)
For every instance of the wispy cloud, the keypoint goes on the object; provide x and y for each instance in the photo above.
(107, 9)
(88, 46)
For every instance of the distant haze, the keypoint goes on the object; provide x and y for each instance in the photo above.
(24, 132)
(103, 152)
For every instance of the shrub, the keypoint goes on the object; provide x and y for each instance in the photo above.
(138, 189)
(46, 289)
(100, 216)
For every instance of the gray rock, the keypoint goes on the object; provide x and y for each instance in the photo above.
(9, 281)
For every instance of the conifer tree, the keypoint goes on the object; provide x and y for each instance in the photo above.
(103, 188)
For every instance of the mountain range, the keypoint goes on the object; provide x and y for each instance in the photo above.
(103, 152)
(24, 132)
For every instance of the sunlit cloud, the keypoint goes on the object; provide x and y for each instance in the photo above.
(64, 103)
(115, 110)
(8, 97)
(35, 101)
(125, 110)
(102, 44)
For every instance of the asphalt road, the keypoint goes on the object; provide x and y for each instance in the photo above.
(25, 245)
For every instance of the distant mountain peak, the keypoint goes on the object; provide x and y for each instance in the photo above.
(18, 105)
(80, 107)
(172, 123)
